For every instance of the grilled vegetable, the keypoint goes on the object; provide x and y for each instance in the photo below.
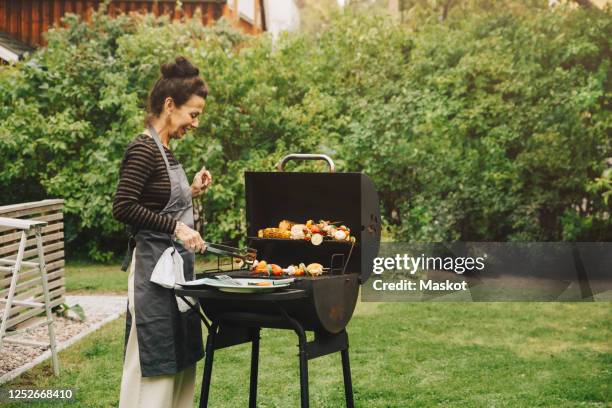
(275, 233)
(316, 239)
(285, 225)
(297, 231)
(315, 269)
(260, 267)
(276, 270)
(290, 230)
(300, 271)
(340, 235)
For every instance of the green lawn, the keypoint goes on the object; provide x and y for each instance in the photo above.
(88, 278)
(402, 355)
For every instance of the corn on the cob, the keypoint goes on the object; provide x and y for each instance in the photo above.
(274, 233)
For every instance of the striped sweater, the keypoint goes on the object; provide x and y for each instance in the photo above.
(144, 187)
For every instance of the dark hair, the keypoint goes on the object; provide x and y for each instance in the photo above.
(179, 80)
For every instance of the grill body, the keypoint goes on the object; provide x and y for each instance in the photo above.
(327, 305)
(322, 304)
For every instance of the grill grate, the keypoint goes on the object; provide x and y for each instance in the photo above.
(231, 260)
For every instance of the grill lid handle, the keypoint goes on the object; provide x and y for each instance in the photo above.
(307, 156)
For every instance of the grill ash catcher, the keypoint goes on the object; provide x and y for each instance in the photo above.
(321, 304)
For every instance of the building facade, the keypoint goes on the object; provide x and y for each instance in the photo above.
(24, 22)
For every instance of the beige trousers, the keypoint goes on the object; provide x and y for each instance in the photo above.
(163, 391)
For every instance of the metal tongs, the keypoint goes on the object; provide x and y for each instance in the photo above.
(248, 255)
(230, 280)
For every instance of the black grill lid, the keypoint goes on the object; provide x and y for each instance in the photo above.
(347, 197)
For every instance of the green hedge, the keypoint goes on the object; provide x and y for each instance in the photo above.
(494, 125)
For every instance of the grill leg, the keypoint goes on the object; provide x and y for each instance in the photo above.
(303, 356)
(348, 383)
(254, 369)
(208, 363)
(304, 402)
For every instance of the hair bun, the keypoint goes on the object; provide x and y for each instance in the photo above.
(180, 68)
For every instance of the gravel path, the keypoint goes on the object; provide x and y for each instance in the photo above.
(99, 310)
(96, 306)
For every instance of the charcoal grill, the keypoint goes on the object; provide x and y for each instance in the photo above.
(322, 304)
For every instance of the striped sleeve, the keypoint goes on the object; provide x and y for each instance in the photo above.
(136, 168)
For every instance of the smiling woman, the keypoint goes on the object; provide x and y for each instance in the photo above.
(181, 93)
(162, 342)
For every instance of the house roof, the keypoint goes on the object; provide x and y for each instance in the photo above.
(11, 49)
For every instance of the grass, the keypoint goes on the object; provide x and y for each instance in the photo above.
(88, 278)
(402, 355)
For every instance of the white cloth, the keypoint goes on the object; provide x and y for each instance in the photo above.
(169, 269)
(168, 272)
(164, 391)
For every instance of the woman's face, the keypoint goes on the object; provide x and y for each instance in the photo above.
(183, 118)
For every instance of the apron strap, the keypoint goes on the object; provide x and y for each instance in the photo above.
(160, 146)
(165, 157)
(128, 255)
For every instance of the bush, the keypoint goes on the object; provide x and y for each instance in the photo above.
(492, 126)
(497, 129)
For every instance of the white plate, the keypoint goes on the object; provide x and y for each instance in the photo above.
(228, 287)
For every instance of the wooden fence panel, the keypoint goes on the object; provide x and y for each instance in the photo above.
(28, 20)
(29, 284)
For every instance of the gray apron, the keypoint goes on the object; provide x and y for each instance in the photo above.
(168, 340)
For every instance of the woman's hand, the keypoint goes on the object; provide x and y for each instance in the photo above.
(191, 239)
(201, 182)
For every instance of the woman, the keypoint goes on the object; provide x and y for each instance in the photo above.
(162, 345)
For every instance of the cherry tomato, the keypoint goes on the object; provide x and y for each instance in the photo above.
(276, 270)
